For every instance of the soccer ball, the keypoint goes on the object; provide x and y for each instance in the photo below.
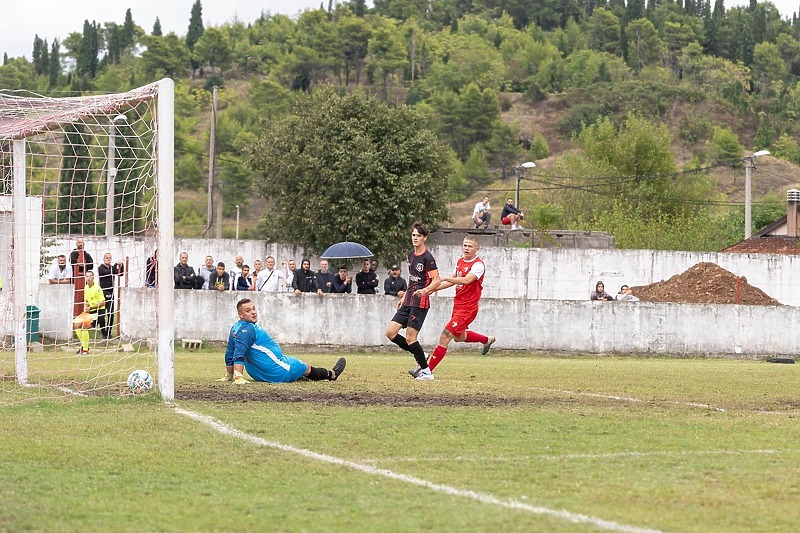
(140, 381)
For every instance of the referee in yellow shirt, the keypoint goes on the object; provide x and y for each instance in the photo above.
(94, 302)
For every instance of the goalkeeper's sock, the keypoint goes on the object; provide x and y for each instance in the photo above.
(83, 336)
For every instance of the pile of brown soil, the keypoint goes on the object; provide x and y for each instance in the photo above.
(704, 283)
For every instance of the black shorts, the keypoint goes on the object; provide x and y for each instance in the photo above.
(410, 317)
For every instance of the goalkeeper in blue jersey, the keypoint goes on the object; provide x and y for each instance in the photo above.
(251, 348)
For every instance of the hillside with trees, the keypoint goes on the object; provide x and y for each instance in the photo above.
(638, 115)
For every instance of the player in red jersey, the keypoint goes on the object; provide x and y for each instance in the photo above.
(468, 281)
(423, 279)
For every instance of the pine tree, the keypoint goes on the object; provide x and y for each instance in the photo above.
(127, 185)
(128, 31)
(45, 60)
(36, 56)
(195, 30)
(54, 68)
(195, 25)
(157, 28)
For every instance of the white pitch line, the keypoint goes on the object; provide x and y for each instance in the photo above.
(628, 398)
(452, 491)
(556, 457)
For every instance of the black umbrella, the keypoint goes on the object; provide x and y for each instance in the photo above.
(346, 250)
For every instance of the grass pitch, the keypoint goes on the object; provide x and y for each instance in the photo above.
(504, 442)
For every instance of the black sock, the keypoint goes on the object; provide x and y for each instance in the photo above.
(419, 354)
(318, 374)
(401, 342)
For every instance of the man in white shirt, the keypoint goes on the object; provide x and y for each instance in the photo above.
(288, 274)
(206, 270)
(236, 271)
(481, 215)
(59, 273)
(269, 279)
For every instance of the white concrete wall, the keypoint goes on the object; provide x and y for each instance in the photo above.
(547, 325)
(528, 273)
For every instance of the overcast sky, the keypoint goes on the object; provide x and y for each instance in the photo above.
(22, 19)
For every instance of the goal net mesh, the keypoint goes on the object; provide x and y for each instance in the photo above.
(87, 226)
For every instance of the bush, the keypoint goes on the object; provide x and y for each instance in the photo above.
(579, 116)
(505, 102)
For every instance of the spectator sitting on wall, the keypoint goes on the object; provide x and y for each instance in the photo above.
(481, 215)
(511, 216)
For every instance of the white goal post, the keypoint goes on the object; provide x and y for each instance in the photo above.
(85, 179)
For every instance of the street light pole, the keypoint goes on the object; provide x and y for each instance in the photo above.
(519, 173)
(111, 172)
(237, 222)
(749, 165)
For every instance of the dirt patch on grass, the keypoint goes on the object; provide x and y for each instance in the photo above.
(294, 393)
(704, 283)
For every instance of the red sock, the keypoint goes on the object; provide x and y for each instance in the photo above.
(476, 337)
(436, 357)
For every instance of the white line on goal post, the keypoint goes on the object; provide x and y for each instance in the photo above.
(453, 491)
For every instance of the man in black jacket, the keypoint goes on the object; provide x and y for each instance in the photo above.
(184, 275)
(324, 277)
(366, 279)
(305, 280)
(106, 273)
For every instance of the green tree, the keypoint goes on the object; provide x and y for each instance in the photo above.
(602, 32)
(195, 29)
(475, 169)
(644, 44)
(725, 147)
(504, 148)
(165, 56)
(128, 32)
(354, 35)
(129, 186)
(77, 198)
(387, 51)
(340, 153)
(769, 68)
(54, 68)
(212, 49)
(157, 28)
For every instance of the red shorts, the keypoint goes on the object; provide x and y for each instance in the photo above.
(460, 320)
(505, 221)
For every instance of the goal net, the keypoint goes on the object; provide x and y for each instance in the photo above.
(86, 209)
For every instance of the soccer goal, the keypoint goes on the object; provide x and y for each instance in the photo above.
(83, 177)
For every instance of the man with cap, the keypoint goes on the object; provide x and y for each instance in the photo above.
(395, 284)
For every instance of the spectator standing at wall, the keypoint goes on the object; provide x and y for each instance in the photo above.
(599, 293)
(511, 216)
(235, 271)
(324, 277)
(81, 262)
(481, 215)
(366, 279)
(184, 275)
(270, 279)
(395, 284)
(625, 295)
(151, 271)
(219, 280)
(106, 273)
(342, 283)
(305, 280)
(244, 282)
(289, 269)
(206, 270)
(59, 273)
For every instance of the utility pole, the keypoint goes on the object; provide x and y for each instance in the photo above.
(749, 165)
(212, 159)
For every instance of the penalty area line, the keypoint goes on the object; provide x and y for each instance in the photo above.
(446, 489)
